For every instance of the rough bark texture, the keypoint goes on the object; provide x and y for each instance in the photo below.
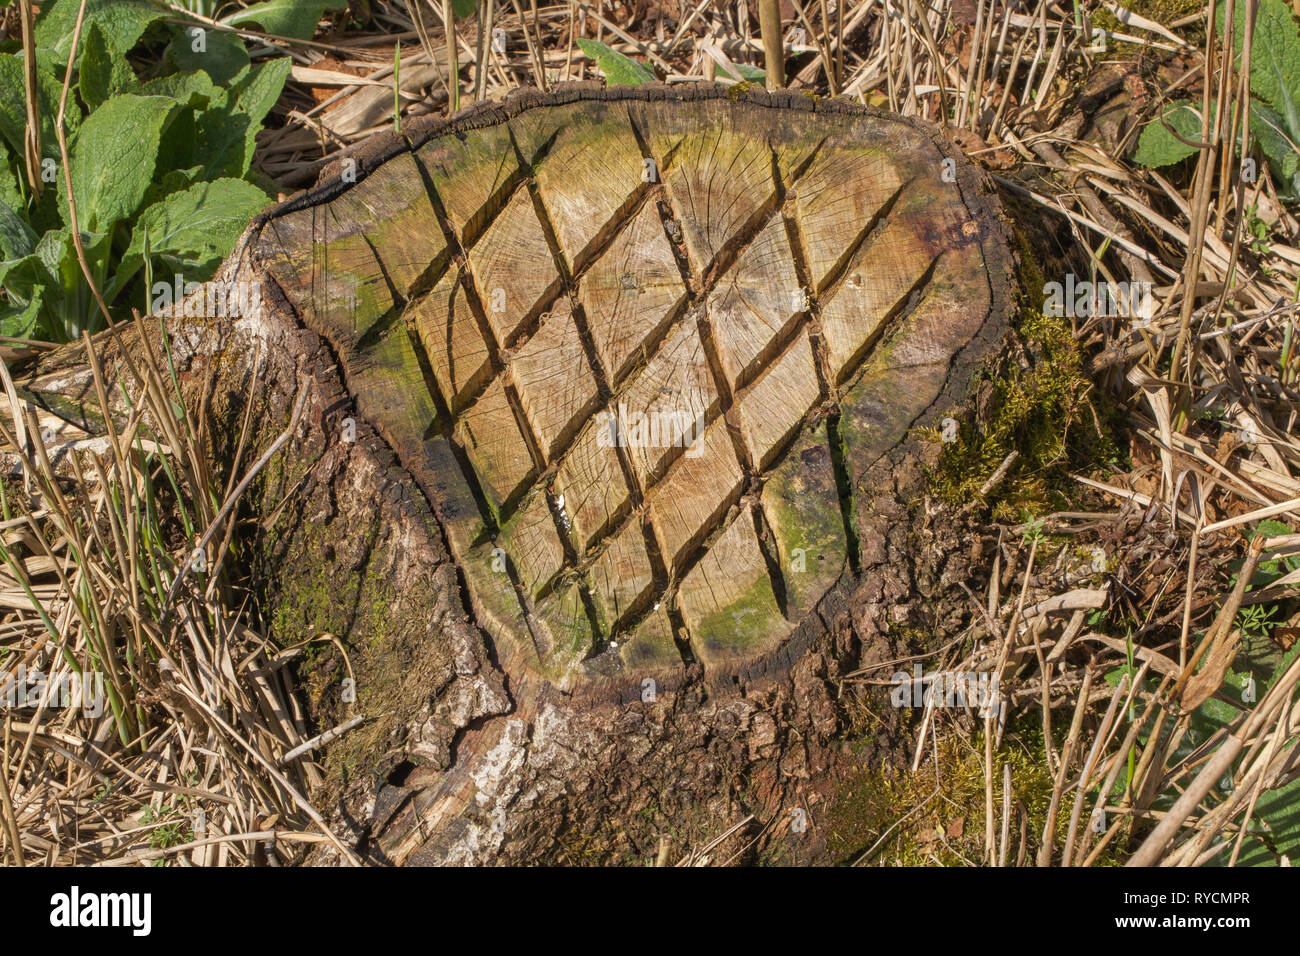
(571, 647)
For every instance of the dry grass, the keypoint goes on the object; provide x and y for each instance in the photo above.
(114, 570)
(1134, 581)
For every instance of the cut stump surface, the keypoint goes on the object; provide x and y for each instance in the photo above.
(660, 338)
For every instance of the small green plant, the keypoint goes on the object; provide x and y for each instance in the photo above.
(1274, 106)
(1260, 620)
(169, 829)
(1257, 619)
(1258, 232)
(159, 157)
(1033, 531)
(621, 70)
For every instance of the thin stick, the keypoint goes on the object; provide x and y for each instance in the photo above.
(15, 837)
(453, 67)
(769, 25)
(32, 138)
(321, 740)
(73, 223)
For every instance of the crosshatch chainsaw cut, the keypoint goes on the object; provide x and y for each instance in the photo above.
(637, 353)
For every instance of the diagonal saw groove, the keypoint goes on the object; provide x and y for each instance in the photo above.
(841, 267)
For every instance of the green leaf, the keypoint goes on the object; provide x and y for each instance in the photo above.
(1279, 811)
(1158, 147)
(224, 139)
(463, 8)
(22, 320)
(16, 237)
(1269, 130)
(222, 56)
(76, 306)
(619, 70)
(114, 155)
(285, 18)
(179, 149)
(32, 292)
(123, 23)
(45, 292)
(103, 70)
(13, 110)
(257, 93)
(192, 231)
(59, 253)
(10, 193)
(223, 143)
(194, 89)
(1274, 57)
(174, 181)
(22, 276)
(1269, 528)
(13, 116)
(749, 74)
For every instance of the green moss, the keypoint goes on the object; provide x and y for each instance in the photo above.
(564, 616)
(799, 499)
(308, 596)
(1163, 12)
(1039, 403)
(651, 645)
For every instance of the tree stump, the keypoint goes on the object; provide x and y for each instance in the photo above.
(610, 467)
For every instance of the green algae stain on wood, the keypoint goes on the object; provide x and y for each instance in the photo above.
(800, 504)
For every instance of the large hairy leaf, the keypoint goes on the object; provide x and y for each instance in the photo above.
(1278, 144)
(1158, 147)
(16, 237)
(191, 231)
(123, 22)
(13, 112)
(286, 18)
(194, 89)
(1274, 56)
(114, 155)
(103, 70)
(218, 53)
(256, 93)
(226, 138)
